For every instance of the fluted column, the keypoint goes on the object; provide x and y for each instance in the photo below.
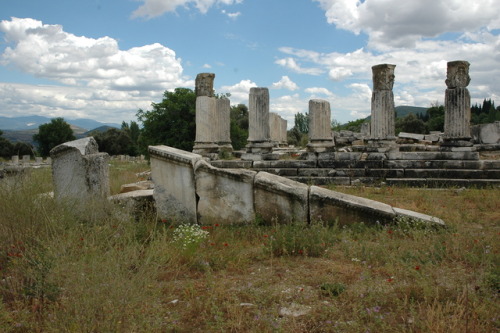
(382, 108)
(320, 131)
(457, 112)
(259, 140)
(223, 119)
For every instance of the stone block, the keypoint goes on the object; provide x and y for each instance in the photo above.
(385, 173)
(232, 164)
(172, 171)
(284, 164)
(413, 136)
(79, 171)
(330, 207)
(486, 133)
(280, 199)
(414, 216)
(226, 196)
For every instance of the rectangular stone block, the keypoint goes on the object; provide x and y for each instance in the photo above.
(232, 164)
(385, 173)
(172, 171)
(79, 171)
(330, 207)
(280, 172)
(226, 196)
(316, 172)
(284, 164)
(280, 200)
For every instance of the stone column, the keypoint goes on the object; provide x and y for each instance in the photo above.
(457, 112)
(382, 117)
(259, 140)
(283, 133)
(320, 131)
(204, 143)
(204, 84)
(223, 118)
(207, 121)
(275, 128)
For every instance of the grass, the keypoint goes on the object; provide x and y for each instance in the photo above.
(103, 271)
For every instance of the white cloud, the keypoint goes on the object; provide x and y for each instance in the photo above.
(207, 66)
(73, 102)
(47, 51)
(287, 106)
(403, 23)
(155, 8)
(292, 65)
(285, 83)
(315, 91)
(232, 16)
(339, 73)
(239, 91)
(101, 80)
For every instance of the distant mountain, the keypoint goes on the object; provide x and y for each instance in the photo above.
(33, 122)
(103, 128)
(403, 111)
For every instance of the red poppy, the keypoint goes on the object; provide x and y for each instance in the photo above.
(390, 279)
(216, 224)
(213, 244)
(226, 244)
(417, 267)
(164, 220)
(301, 252)
(389, 231)
(265, 236)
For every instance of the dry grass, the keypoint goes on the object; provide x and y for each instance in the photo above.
(105, 272)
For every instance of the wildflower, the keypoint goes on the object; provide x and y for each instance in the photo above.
(212, 244)
(390, 231)
(390, 279)
(417, 268)
(164, 220)
(265, 236)
(301, 252)
(216, 224)
(226, 244)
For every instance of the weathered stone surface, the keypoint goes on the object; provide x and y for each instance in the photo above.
(232, 164)
(486, 133)
(138, 202)
(259, 139)
(284, 164)
(382, 107)
(172, 171)
(457, 113)
(206, 131)
(79, 171)
(413, 136)
(139, 186)
(204, 84)
(280, 199)
(392, 155)
(418, 216)
(225, 195)
(320, 131)
(330, 206)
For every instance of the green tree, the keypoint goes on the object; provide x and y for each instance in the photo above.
(115, 142)
(302, 122)
(436, 118)
(410, 124)
(239, 126)
(171, 122)
(6, 147)
(52, 134)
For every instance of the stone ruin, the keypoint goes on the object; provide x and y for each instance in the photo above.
(376, 155)
(79, 171)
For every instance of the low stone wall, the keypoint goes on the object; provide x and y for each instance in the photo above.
(188, 189)
(413, 168)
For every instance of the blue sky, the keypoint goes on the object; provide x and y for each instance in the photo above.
(105, 59)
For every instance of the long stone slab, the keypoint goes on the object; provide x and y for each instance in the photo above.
(279, 199)
(226, 196)
(330, 207)
(172, 171)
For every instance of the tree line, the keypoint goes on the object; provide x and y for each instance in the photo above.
(172, 122)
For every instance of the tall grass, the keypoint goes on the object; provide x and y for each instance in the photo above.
(101, 270)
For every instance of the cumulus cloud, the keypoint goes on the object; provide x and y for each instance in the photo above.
(403, 23)
(98, 77)
(285, 83)
(154, 8)
(47, 51)
(315, 91)
(287, 106)
(239, 91)
(291, 64)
